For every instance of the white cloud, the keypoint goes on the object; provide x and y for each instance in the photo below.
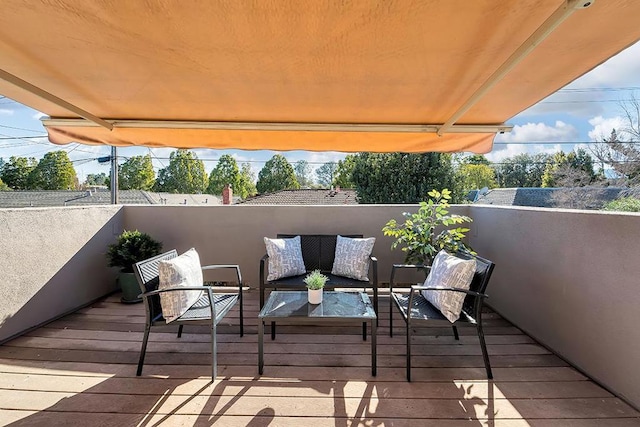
(620, 71)
(6, 112)
(602, 127)
(539, 132)
(39, 115)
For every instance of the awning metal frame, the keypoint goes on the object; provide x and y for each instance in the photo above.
(307, 127)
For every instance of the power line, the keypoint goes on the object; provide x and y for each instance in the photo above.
(28, 130)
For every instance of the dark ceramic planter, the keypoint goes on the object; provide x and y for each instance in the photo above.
(130, 288)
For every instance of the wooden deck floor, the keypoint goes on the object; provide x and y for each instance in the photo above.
(80, 371)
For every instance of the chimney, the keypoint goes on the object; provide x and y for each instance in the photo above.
(227, 195)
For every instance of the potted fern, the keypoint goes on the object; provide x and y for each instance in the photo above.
(131, 247)
(417, 235)
(315, 282)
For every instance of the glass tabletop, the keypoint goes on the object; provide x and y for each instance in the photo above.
(334, 304)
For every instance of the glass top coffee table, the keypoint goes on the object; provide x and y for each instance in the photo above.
(292, 307)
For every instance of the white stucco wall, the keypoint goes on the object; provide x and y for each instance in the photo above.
(53, 260)
(570, 279)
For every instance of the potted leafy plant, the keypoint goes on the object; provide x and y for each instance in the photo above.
(315, 282)
(131, 247)
(417, 235)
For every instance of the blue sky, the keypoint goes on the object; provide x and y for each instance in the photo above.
(585, 110)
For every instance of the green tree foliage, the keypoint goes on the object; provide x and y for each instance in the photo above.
(225, 172)
(401, 177)
(4, 187)
(475, 176)
(522, 170)
(417, 235)
(344, 172)
(475, 159)
(53, 172)
(303, 173)
(247, 181)
(136, 173)
(185, 174)
(326, 173)
(624, 204)
(97, 179)
(277, 174)
(574, 169)
(15, 172)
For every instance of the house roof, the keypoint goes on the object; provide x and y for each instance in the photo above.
(23, 199)
(584, 197)
(319, 75)
(305, 197)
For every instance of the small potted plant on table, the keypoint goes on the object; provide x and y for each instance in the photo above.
(131, 247)
(315, 282)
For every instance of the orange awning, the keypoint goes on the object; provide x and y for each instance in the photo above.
(393, 75)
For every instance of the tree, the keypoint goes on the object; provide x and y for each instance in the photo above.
(344, 172)
(621, 150)
(326, 173)
(53, 172)
(185, 174)
(475, 159)
(136, 173)
(303, 173)
(247, 181)
(522, 170)
(475, 176)
(4, 187)
(569, 170)
(15, 172)
(401, 177)
(97, 179)
(225, 172)
(277, 174)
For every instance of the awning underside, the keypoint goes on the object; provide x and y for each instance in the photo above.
(396, 63)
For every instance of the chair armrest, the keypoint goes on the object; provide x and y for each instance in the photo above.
(175, 288)
(373, 265)
(431, 288)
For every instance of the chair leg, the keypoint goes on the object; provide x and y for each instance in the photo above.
(408, 353)
(143, 350)
(214, 353)
(455, 333)
(364, 331)
(180, 331)
(390, 314)
(485, 354)
(241, 315)
(273, 330)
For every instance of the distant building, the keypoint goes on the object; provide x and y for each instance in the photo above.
(25, 199)
(570, 198)
(305, 197)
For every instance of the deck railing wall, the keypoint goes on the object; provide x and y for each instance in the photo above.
(571, 280)
(53, 261)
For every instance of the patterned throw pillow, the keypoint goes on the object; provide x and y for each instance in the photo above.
(182, 271)
(448, 271)
(285, 258)
(352, 257)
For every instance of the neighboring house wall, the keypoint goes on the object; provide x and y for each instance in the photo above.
(569, 279)
(53, 261)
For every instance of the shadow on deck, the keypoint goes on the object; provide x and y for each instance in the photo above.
(80, 370)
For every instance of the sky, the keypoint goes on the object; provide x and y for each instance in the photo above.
(586, 110)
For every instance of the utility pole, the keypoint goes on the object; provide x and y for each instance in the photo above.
(114, 175)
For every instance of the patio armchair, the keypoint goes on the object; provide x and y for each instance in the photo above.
(416, 310)
(209, 309)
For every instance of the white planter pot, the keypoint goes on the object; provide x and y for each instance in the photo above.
(315, 296)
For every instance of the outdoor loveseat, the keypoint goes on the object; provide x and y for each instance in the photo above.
(318, 252)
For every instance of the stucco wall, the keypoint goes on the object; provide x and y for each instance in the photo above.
(570, 279)
(53, 261)
(234, 234)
